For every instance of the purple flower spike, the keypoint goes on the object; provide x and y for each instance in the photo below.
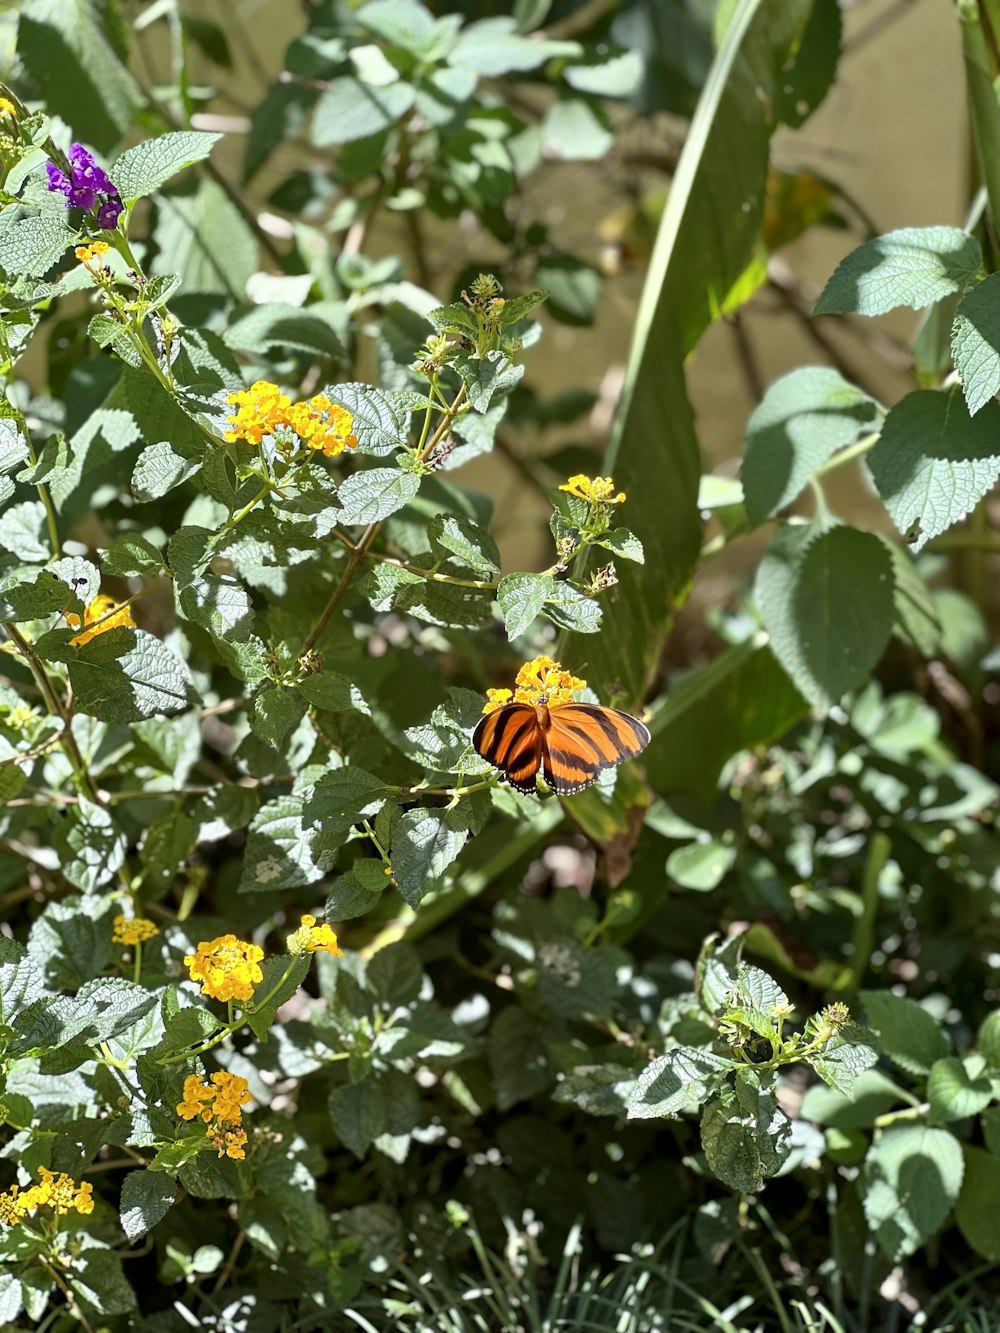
(87, 187)
(58, 182)
(109, 213)
(87, 175)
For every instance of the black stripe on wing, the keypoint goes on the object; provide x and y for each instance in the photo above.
(511, 739)
(585, 739)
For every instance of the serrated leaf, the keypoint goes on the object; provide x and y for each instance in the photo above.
(372, 495)
(349, 110)
(572, 609)
(32, 245)
(425, 843)
(745, 1135)
(934, 463)
(91, 847)
(623, 543)
(146, 1198)
(908, 1034)
(281, 853)
(800, 423)
(158, 469)
(914, 267)
(975, 342)
(21, 981)
(826, 636)
(521, 598)
(485, 376)
(142, 169)
(842, 1061)
(976, 1209)
(207, 241)
(518, 1057)
(912, 1178)
(958, 1088)
(265, 327)
(681, 1080)
(470, 544)
(359, 1114)
(131, 553)
(122, 675)
(380, 418)
(358, 891)
(22, 532)
(31, 593)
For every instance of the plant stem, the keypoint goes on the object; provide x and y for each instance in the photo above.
(46, 499)
(879, 851)
(856, 450)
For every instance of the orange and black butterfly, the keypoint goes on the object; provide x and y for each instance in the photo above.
(570, 743)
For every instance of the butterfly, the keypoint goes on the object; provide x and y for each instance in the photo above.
(571, 743)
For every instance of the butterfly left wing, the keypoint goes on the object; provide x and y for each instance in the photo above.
(511, 739)
(583, 740)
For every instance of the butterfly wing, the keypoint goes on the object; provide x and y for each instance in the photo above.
(511, 739)
(585, 739)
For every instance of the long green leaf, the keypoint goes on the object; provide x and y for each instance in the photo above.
(706, 240)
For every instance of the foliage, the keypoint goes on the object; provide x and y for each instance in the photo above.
(301, 1003)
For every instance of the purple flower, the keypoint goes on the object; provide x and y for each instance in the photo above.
(86, 185)
(109, 213)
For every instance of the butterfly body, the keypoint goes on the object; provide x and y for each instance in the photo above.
(571, 744)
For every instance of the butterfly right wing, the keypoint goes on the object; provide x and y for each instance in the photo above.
(511, 739)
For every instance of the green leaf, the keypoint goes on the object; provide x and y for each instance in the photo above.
(122, 674)
(623, 543)
(701, 865)
(206, 240)
(679, 1081)
(372, 495)
(807, 75)
(359, 1114)
(91, 848)
(739, 701)
(487, 375)
(521, 598)
(518, 1059)
(934, 462)
(908, 1034)
(158, 469)
(568, 607)
(976, 1209)
(281, 853)
(99, 1282)
(167, 844)
(263, 328)
(424, 845)
(916, 614)
(493, 46)
(745, 1135)
(30, 246)
(914, 267)
(146, 1198)
(358, 891)
(142, 169)
(470, 544)
(131, 553)
(405, 23)
(975, 342)
(653, 454)
(71, 50)
(21, 982)
(800, 423)
(349, 110)
(988, 1041)
(615, 76)
(573, 131)
(843, 1060)
(826, 635)
(23, 533)
(31, 593)
(333, 693)
(912, 1178)
(380, 418)
(396, 973)
(958, 1088)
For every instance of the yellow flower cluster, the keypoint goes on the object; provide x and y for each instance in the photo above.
(99, 609)
(310, 938)
(595, 490)
(133, 930)
(59, 1192)
(539, 681)
(263, 409)
(7, 107)
(228, 968)
(91, 250)
(219, 1104)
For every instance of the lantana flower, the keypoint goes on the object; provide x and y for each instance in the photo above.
(595, 490)
(264, 410)
(87, 187)
(540, 680)
(219, 1103)
(97, 610)
(7, 108)
(228, 968)
(310, 938)
(57, 1191)
(133, 930)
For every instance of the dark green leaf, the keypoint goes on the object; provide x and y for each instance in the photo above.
(908, 1034)
(146, 1198)
(912, 1178)
(915, 266)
